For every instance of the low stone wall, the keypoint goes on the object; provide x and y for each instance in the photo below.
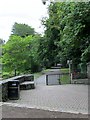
(20, 78)
(80, 81)
(29, 77)
(4, 85)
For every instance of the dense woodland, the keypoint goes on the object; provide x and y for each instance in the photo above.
(66, 37)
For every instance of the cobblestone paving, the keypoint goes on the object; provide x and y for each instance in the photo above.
(63, 98)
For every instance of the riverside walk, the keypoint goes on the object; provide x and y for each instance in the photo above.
(54, 101)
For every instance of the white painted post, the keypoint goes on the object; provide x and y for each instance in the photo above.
(69, 62)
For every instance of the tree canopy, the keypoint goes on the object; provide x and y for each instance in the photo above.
(67, 32)
(20, 51)
(22, 30)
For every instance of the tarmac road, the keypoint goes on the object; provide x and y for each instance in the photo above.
(20, 112)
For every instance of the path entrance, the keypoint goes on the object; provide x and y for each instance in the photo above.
(41, 81)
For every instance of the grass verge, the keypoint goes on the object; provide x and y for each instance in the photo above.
(65, 79)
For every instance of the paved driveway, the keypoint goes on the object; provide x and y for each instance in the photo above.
(63, 98)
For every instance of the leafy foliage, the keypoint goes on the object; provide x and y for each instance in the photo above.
(21, 54)
(22, 30)
(67, 32)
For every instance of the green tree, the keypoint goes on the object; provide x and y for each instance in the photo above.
(22, 30)
(67, 28)
(20, 54)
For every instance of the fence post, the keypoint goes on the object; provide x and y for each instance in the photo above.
(71, 78)
(46, 79)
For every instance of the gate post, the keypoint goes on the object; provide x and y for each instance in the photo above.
(46, 79)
